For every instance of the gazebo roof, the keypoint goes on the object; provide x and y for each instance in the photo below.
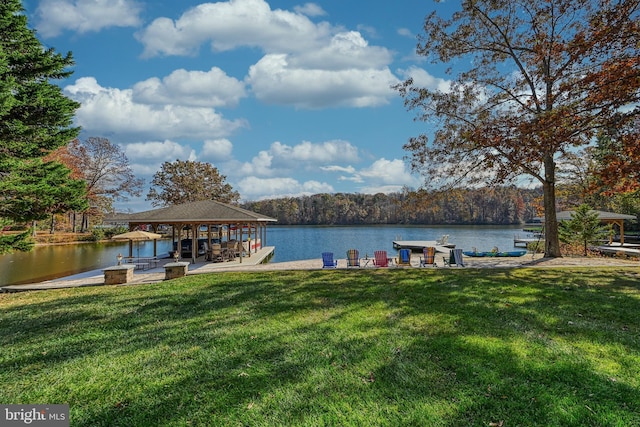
(202, 212)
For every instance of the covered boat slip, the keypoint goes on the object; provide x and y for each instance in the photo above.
(202, 224)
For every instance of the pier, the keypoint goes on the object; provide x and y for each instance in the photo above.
(417, 245)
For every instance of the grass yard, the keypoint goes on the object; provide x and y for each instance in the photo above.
(466, 347)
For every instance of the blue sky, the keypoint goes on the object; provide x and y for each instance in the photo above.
(283, 97)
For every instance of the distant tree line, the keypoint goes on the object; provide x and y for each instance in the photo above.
(501, 205)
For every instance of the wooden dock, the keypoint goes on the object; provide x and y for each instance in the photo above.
(417, 245)
(618, 249)
(524, 241)
(151, 275)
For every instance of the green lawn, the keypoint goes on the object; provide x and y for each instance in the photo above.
(466, 347)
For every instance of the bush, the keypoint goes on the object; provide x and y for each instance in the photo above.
(97, 234)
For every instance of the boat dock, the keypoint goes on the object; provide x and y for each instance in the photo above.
(151, 275)
(524, 241)
(618, 249)
(417, 245)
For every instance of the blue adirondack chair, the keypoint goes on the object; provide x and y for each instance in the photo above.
(404, 258)
(328, 261)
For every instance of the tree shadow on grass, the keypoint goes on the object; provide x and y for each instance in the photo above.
(336, 347)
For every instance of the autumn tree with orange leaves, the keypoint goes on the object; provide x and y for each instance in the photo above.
(539, 78)
(105, 169)
(618, 159)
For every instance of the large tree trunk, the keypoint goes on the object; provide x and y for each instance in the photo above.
(551, 237)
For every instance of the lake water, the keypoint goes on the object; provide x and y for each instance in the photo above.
(291, 243)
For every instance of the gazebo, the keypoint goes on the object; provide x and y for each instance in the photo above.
(207, 213)
(606, 217)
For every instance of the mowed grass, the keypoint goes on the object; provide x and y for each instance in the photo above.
(465, 347)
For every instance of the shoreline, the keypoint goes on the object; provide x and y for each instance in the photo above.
(156, 275)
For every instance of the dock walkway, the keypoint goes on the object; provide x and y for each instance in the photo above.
(618, 249)
(417, 245)
(151, 275)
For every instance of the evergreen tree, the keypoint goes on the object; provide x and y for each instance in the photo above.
(584, 227)
(35, 119)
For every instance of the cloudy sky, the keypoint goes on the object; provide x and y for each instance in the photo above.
(283, 97)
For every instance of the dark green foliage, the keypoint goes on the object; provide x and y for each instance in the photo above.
(35, 119)
(36, 189)
(584, 227)
(18, 242)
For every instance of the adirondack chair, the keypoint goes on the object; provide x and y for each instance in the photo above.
(429, 257)
(328, 261)
(455, 258)
(353, 258)
(381, 259)
(404, 258)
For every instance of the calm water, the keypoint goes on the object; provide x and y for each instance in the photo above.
(291, 243)
(294, 243)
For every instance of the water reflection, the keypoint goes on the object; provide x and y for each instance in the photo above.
(291, 243)
(54, 261)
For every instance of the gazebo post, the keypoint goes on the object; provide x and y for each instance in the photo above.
(178, 226)
(621, 225)
(239, 238)
(154, 227)
(194, 242)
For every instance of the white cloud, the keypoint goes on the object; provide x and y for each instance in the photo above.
(310, 9)
(306, 64)
(355, 177)
(260, 165)
(217, 149)
(382, 173)
(329, 151)
(405, 32)
(211, 88)
(382, 176)
(157, 151)
(345, 51)
(254, 188)
(422, 78)
(389, 172)
(107, 111)
(231, 24)
(282, 158)
(334, 168)
(146, 158)
(274, 81)
(55, 16)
